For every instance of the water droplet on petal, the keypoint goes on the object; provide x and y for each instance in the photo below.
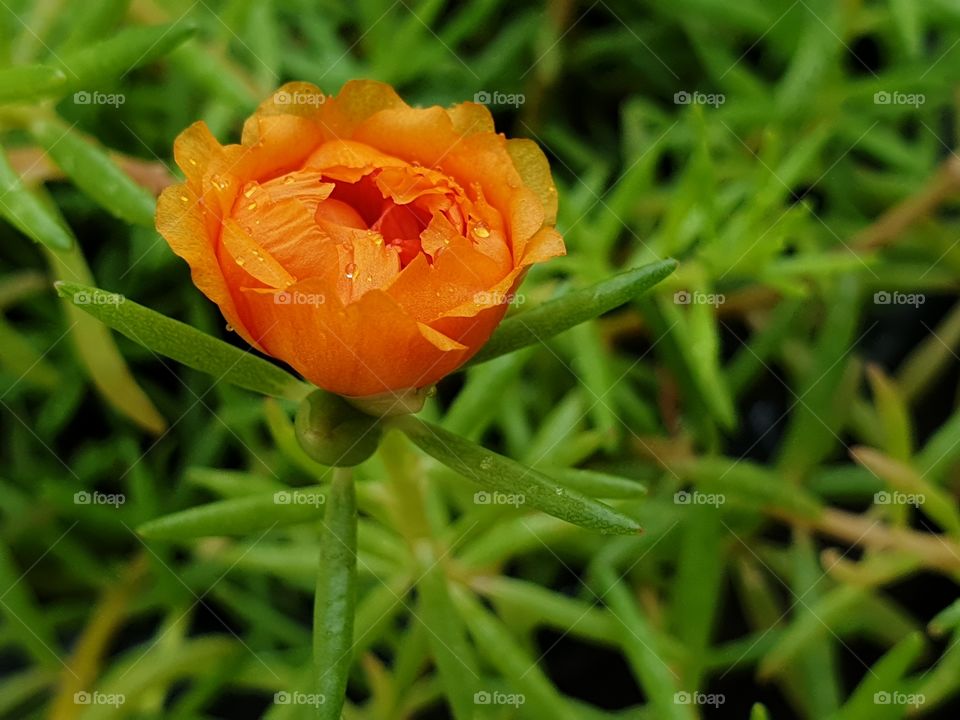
(229, 327)
(184, 198)
(241, 262)
(349, 270)
(252, 206)
(288, 180)
(480, 230)
(249, 191)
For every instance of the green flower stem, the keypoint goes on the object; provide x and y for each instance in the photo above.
(335, 595)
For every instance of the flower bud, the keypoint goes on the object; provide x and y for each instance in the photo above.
(333, 432)
(372, 246)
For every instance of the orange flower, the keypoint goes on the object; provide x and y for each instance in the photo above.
(370, 245)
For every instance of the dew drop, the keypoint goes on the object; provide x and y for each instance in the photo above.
(252, 206)
(349, 270)
(192, 162)
(249, 191)
(184, 198)
(481, 231)
(241, 262)
(229, 327)
(288, 180)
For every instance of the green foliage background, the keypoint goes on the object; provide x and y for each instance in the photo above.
(800, 361)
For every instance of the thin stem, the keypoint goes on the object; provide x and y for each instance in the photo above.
(335, 597)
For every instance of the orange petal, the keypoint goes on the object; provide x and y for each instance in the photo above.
(469, 118)
(423, 135)
(365, 348)
(534, 169)
(180, 222)
(359, 99)
(427, 290)
(348, 161)
(300, 99)
(546, 244)
(483, 160)
(194, 149)
(253, 258)
(405, 184)
(272, 145)
(372, 263)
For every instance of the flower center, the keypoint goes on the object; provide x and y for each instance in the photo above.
(387, 208)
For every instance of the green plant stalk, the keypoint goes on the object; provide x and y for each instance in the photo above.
(335, 598)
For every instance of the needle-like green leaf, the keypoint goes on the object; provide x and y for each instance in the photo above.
(97, 350)
(26, 82)
(239, 516)
(96, 64)
(500, 474)
(27, 213)
(184, 344)
(572, 308)
(89, 166)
